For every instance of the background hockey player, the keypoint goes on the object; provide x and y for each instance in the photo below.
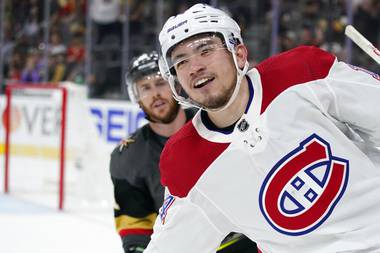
(134, 163)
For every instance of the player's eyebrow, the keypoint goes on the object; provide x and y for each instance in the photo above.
(179, 56)
(143, 85)
(203, 44)
(197, 48)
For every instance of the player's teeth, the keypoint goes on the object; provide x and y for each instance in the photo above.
(201, 81)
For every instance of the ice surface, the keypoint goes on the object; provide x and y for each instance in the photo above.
(27, 227)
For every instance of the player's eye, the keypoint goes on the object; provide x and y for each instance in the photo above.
(144, 89)
(181, 63)
(206, 51)
(160, 84)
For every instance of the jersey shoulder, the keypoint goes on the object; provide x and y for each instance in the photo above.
(296, 66)
(185, 158)
(126, 156)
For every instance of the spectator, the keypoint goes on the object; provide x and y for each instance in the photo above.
(31, 27)
(57, 65)
(15, 67)
(56, 44)
(32, 71)
(106, 14)
(75, 59)
(7, 48)
(75, 52)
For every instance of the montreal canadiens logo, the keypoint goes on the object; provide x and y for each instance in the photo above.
(303, 188)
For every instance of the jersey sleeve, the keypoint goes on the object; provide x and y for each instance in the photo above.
(133, 222)
(134, 211)
(355, 94)
(183, 227)
(156, 190)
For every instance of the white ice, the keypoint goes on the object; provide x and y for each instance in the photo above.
(26, 227)
(30, 221)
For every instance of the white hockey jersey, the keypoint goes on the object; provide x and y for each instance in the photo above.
(298, 173)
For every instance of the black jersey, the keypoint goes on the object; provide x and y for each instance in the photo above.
(139, 194)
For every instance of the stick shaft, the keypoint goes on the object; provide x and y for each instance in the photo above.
(363, 43)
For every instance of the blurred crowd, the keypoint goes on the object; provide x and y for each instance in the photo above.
(27, 57)
(47, 42)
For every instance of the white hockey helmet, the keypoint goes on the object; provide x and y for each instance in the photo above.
(198, 19)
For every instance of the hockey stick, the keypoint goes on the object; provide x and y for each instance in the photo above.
(363, 43)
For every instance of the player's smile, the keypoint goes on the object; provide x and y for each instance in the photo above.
(202, 82)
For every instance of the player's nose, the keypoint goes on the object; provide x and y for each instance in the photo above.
(196, 66)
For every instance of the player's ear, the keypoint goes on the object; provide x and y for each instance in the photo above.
(241, 55)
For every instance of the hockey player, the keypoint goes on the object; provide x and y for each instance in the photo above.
(134, 163)
(284, 153)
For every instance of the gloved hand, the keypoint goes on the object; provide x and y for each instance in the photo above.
(136, 249)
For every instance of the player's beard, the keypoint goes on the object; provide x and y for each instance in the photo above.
(219, 100)
(167, 118)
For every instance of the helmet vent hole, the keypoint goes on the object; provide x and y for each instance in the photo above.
(186, 30)
(173, 37)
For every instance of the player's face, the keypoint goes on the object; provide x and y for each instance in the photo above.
(205, 70)
(156, 99)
